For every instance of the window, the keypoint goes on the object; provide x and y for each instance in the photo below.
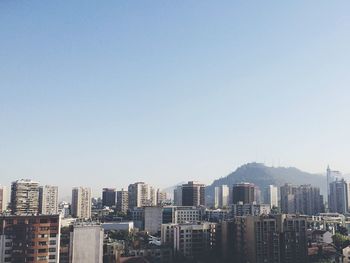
(52, 249)
(53, 235)
(43, 220)
(42, 250)
(52, 257)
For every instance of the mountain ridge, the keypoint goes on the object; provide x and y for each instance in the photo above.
(262, 176)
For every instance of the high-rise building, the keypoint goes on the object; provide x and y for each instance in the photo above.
(178, 195)
(308, 200)
(138, 195)
(152, 198)
(243, 192)
(86, 243)
(3, 198)
(122, 201)
(193, 194)
(30, 238)
(221, 198)
(287, 193)
(48, 200)
(192, 241)
(331, 177)
(81, 202)
(259, 239)
(25, 197)
(161, 197)
(303, 199)
(338, 197)
(108, 197)
(271, 196)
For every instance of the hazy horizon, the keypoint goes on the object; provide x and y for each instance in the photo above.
(109, 93)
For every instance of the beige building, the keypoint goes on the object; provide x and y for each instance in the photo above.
(48, 200)
(3, 198)
(81, 202)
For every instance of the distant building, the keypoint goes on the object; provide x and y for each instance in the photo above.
(259, 239)
(243, 192)
(161, 197)
(331, 177)
(193, 194)
(139, 195)
(338, 196)
(81, 202)
(253, 209)
(108, 197)
(153, 219)
(3, 199)
(178, 195)
(221, 197)
(271, 196)
(303, 199)
(192, 241)
(30, 238)
(25, 197)
(86, 242)
(122, 201)
(48, 200)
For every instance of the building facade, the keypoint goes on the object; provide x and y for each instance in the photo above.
(122, 201)
(193, 194)
(29, 238)
(86, 244)
(3, 198)
(243, 192)
(81, 202)
(25, 197)
(48, 200)
(109, 197)
(221, 196)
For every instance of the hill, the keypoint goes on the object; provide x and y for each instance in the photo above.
(262, 176)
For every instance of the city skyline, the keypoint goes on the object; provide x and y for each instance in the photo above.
(107, 94)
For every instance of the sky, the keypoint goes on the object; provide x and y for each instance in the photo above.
(107, 93)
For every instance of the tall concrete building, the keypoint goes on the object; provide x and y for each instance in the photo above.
(287, 193)
(3, 198)
(331, 177)
(339, 196)
(161, 197)
(48, 200)
(271, 196)
(25, 197)
(221, 197)
(193, 194)
(178, 195)
(191, 241)
(108, 197)
(259, 239)
(303, 199)
(29, 238)
(86, 244)
(139, 195)
(243, 192)
(81, 202)
(122, 201)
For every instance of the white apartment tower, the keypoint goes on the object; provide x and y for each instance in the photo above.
(3, 198)
(48, 200)
(221, 198)
(81, 202)
(271, 196)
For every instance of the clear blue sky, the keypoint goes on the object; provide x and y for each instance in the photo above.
(105, 93)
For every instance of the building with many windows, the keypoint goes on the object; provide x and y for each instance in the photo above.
(48, 200)
(25, 197)
(81, 202)
(34, 238)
